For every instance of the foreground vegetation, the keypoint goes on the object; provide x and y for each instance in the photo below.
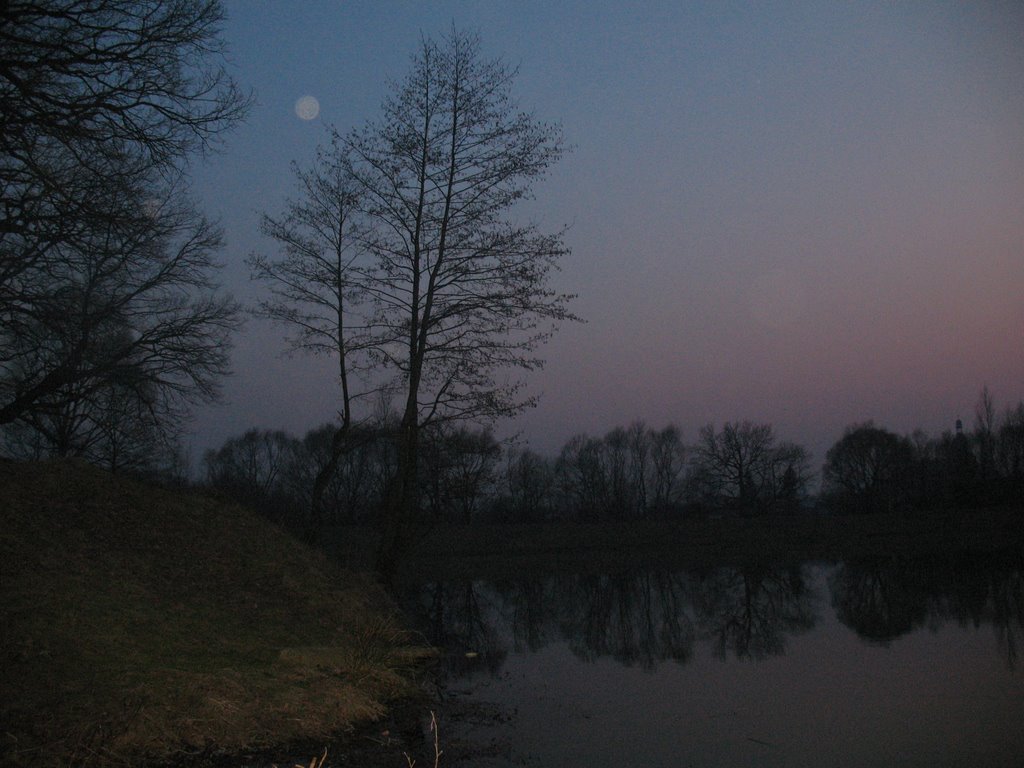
(145, 622)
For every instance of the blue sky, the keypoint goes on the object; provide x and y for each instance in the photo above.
(807, 213)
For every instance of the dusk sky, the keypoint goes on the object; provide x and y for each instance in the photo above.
(808, 214)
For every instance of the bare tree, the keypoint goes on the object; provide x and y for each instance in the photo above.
(639, 459)
(462, 293)
(985, 434)
(667, 460)
(731, 463)
(460, 466)
(616, 453)
(583, 478)
(530, 481)
(400, 259)
(103, 102)
(132, 309)
(318, 289)
(742, 467)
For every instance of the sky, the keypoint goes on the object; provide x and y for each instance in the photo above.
(808, 214)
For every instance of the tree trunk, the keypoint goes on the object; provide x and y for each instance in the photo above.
(314, 527)
(400, 502)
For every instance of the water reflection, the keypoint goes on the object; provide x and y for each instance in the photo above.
(751, 611)
(645, 618)
(882, 600)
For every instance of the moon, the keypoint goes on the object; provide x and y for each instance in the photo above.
(307, 108)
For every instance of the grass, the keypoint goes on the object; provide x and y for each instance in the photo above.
(140, 623)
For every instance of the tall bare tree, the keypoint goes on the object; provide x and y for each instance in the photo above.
(462, 291)
(403, 249)
(103, 102)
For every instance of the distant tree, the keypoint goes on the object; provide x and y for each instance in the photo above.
(460, 467)
(927, 475)
(668, 456)
(252, 469)
(616, 450)
(730, 463)
(630, 472)
(355, 477)
(530, 480)
(960, 477)
(583, 478)
(867, 470)
(639, 439)
(985, 434)
(1010, 452)
(789, 477)
(103, 102)
(742, 468)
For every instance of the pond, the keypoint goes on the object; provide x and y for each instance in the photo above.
(869, 663)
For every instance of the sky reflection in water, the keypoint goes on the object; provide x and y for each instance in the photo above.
(869, 663)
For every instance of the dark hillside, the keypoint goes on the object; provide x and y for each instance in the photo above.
(140, 620)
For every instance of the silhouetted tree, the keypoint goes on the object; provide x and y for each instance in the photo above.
(583, 478)
(253, 470)
(318, 290)
(867, 470)
(460, 467)
(113, 423)
(668, 456)
(459, 294)
(960, 470)
(355, 478)
(985, 435)
(130, 310)
(1010, 446)
(462, 293)
(103, 101)
(530, 482)
(743, 468)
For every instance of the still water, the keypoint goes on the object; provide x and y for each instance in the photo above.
(873, 663)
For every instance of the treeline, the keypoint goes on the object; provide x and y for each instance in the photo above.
(870, 469)
(637, 472)
(631, 473)
(467, 476)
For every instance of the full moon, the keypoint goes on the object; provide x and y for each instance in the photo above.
(307, 108)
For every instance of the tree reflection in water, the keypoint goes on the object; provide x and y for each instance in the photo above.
(633, 618)
(750, 611)
(644, 618)
(883, 599)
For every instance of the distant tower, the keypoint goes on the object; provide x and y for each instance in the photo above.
(959, 426)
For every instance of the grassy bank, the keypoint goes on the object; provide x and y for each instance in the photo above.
(138, 622)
